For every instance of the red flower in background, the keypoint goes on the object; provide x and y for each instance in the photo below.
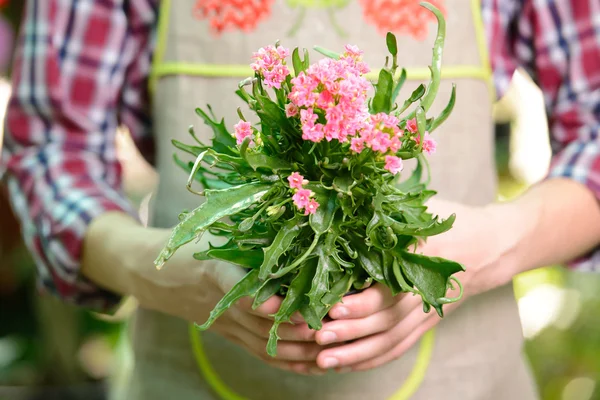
(227, 15)
(3, 3)
(405, 17)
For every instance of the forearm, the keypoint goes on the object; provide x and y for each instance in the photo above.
(115, 245)
(554, 222)
(119, 254)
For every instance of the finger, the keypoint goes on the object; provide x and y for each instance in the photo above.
(351, 329)
(286, 351)
(372, 346)
(266, 310)
(400, 348)
(284, 365)
(376, 298)
(261, 327)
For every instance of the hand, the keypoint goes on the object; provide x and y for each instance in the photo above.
(189, 289)
(383, 327)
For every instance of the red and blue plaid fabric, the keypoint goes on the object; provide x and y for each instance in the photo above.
(82, 68)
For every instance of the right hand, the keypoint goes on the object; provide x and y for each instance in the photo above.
(189, 289)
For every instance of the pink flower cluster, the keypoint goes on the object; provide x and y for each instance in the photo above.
(243, 130)
(382, 135)
(331, 97)
(303, 197)
(270, 63)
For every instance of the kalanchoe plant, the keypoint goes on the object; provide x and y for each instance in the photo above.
(309, 198)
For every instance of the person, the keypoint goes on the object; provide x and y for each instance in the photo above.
(85, 66)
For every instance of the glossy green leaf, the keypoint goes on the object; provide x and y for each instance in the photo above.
(247, 286)
(445, 112)
(322, 219)
(327, 53)
(429, 275)
(218, 204)
(293, 301)
(432, 228)
(243, 258)
(382, 101)
(297, 62)
(223, 141)
(436, 60)
(286, 235)
(269, 289)
(392, 44)
(325, 266)
(415, 96)
(369, 258)
(399, 86)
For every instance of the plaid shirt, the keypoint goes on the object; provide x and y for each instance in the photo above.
(83, 67)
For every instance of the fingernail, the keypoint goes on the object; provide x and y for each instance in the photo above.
(344, 370)
(327, 337)
(316, 371)
(330, 362)
(339, 312)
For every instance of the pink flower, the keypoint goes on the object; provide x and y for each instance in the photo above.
(296, 180)
(429, 145)
(380, 142)
(243, 129)
(353, 51)
(270, 63)
(393, 164)
(357, 145)
(411, 125)
(302, 197)
(291, 110)
(395, 144)
(311, 207)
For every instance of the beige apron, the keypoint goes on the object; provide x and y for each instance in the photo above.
(477, 350)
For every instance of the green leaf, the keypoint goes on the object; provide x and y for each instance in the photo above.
(223, 141)
(432, 228)
(282, 242)
(311, 317)
(321, 220)
(271, 114)
(369, 258)
(415, 96)
(247, 286)
(218, 204)
(336, 293)
(269, 289)
(436, 60)
(327, 53)
(392, 44)
(388, 273)
(382, 101)
(293, 301)
(430, 275)
(446, 112)
(193, 150)
(325, 266)
(299, 65)
(399, 86)
(260, 160)
(244, 258)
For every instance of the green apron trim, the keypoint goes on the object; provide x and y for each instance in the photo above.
(244, 71)
(160, 69)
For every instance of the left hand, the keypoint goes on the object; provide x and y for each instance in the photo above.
(383, 327)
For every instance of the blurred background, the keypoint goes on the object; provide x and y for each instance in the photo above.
(50, 350)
